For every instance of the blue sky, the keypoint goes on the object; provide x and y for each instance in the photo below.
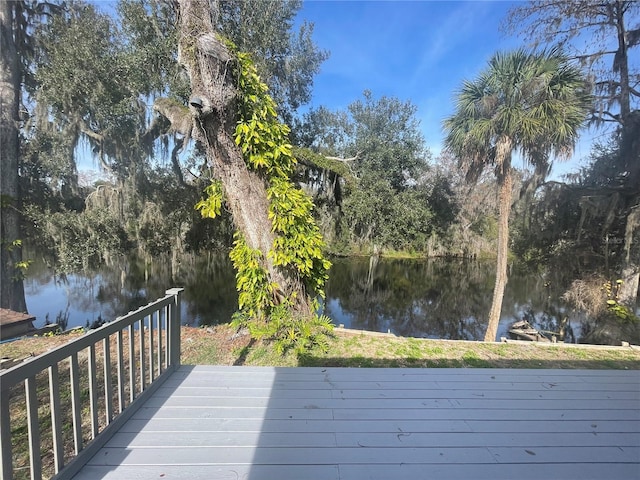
(413, 50)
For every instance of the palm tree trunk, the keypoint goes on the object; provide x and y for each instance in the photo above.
(11, 286)
(505, 185)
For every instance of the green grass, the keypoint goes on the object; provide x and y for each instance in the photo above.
(361, 350)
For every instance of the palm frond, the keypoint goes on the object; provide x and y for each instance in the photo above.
(536, 100)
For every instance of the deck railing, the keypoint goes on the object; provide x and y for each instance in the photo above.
(78, 394)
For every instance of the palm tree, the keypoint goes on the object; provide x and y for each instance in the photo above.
(526, 102)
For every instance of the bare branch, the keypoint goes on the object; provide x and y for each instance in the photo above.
(345, 160)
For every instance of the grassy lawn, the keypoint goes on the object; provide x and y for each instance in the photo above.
(223, 346)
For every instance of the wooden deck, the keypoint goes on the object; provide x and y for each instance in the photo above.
(331, 423)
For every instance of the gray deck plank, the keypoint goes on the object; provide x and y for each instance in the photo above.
(310, 438)
(450, 393)
(578, 455)
(394, 372)
(337, 375)
(378, 426)
(371, 472)
(195, 401)
(488, 414)
(558, 471)
(230, 412)
(449, 375)
(301, 372)
(293, 456)
(472, 439)
(211, 472)
(254, 423)
(384, 414)
(371, 455)
(311, 385)
(226, 439)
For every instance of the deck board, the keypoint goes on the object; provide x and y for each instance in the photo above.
(253, 423)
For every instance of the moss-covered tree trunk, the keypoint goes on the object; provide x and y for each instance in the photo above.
(11, 286)
(213, 105)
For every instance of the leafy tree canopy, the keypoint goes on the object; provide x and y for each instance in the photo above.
(381, 137)
(393, 200)
(86, 86)
(286, 58)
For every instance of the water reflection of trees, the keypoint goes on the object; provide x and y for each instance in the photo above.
(209, 297)
(128, 283)
(440, 298)
(437, 298)
(210, 289)
(414, 298)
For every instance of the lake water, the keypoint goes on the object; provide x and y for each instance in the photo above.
(436, 298)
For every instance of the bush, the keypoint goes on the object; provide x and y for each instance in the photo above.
(287, 332)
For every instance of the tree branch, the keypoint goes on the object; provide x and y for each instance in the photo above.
(96, 137)
(605, 116)
(345, 160)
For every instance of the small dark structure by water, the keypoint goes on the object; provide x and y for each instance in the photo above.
(522, 330)
(14, 324)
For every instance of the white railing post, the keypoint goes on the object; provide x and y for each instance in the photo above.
(35, 460)
(173, 327)
(56, 417)
(6, 466)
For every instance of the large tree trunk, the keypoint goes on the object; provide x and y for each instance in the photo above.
(11, 286)
(630, 275)
(209, 65)
(505, 186)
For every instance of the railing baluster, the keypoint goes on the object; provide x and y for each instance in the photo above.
(56, 418)
(120, 373)
(93, 391)
(108, 390)
(167, 336)
(141, 354)
(159, 317)
(35, 461)
(151, 356)
(132, 364)
(6, 466)
(76, 412)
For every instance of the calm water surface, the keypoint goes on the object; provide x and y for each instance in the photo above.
(437, 298)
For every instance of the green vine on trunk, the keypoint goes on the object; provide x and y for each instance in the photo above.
(255, 290)
(298, 247)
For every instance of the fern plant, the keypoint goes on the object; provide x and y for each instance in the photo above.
(287, 332)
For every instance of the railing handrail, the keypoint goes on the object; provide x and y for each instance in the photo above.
(27, 371)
